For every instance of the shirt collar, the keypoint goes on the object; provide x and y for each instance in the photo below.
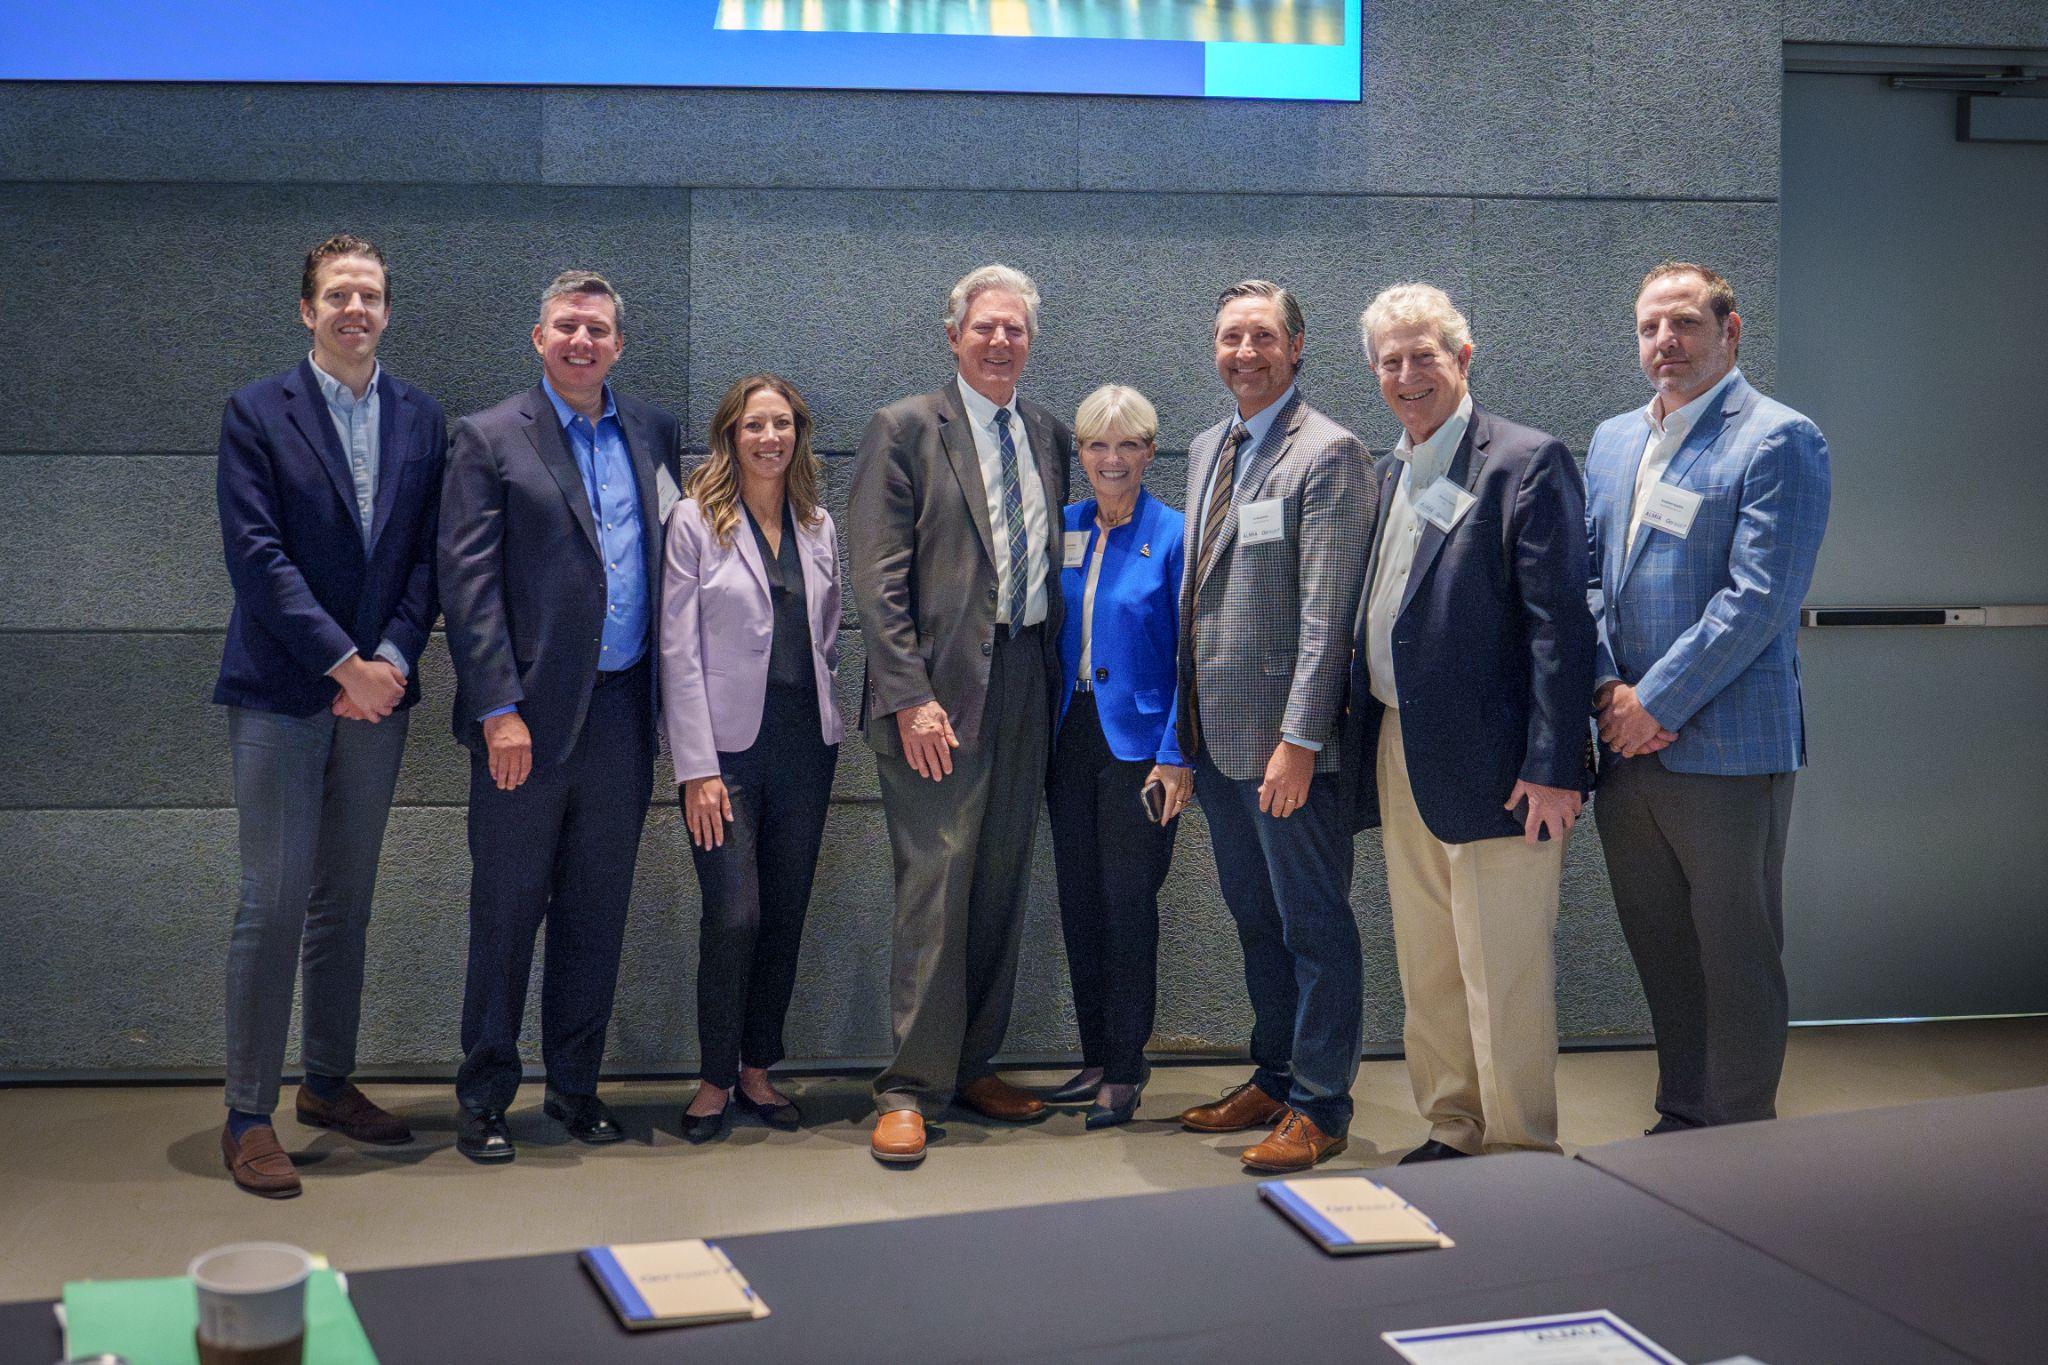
(1434, 455)
(980, 410)
(1259, 423)
(568, 415)
(1681, 422)
(336, 392)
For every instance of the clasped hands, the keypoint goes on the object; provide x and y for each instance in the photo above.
(370, 689)
(1626, 726)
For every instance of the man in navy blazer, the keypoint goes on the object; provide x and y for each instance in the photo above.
(329, 479)
(550, 564)
(1706, 514)
(1467, 738)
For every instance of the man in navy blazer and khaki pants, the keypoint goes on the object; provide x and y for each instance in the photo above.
(551, 570)
(328, 481)
(1468, 733)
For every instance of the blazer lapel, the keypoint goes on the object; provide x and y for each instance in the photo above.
(308, 411)
(1705, 434)
(743, 539)
(1388, 477)
(814, 576)
(390, 459)
(640, 453)
(1279, 436)
(958, 439)
(1464, 471)
(544, 429)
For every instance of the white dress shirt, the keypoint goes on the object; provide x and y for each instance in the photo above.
(1664, 440)
(1422, 465)
(981, 420)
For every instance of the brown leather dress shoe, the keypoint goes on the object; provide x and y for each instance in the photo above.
(899, 1137)
(353, 1114)
(995, 1098)
(1244, 1107)
(1296, 1145)
(258, 1164)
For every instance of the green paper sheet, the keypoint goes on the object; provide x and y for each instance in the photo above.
(152, 1322)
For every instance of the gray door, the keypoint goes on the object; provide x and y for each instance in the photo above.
(1913, 314)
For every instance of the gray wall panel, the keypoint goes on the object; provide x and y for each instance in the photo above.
(846, 292)
(103, 900)
(1944, 23)
(192, 291)
(1554, 288)
(819, 138)
(331, 134)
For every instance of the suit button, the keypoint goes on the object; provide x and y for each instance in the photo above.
(1102, 675)
(987, 648)
(991, 594)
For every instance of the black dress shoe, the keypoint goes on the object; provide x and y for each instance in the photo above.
(585, 1116)
(1432, 1150)
(703, 1127)
(1109, 1116)
(1074, 1091)
(785, 1115)
(481, 1136)
(1667, 1124)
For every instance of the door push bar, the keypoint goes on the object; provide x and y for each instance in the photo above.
(1924, 616)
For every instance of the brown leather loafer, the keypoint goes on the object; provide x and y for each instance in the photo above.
(1244, 1107)
(899, 1137)
(258, 1164)
(353, 1115)
(995, 1098)
(1296, 1145)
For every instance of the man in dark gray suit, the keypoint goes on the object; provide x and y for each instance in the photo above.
(952, 524)
(550, 566)
(1280, 512)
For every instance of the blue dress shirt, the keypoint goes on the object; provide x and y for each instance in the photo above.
(356, 423)
(600, 452)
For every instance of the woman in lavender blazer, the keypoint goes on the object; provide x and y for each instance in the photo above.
(749, 645)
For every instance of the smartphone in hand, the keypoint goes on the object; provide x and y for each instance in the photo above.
(1152, 796)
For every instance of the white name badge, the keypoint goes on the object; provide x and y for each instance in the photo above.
(1672, 509)
(1443, 504)
(1260, 522)
(666, 494)
(1076, 546)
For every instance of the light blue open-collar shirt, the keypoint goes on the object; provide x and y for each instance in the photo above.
(356, 423)
(601, 455)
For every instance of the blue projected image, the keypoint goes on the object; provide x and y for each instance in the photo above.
(1254, 49)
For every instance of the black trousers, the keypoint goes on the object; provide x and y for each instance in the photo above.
(1110, 862)
(560, 849)
(756, 886)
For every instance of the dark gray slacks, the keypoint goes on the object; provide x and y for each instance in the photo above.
(559, 850)
(1698, 867)
(962, 849)
(312, 795)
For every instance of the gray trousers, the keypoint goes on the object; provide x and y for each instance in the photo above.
(1698, 867)
(311, 795)
(962, 851)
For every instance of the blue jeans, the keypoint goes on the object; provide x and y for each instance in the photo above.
(312, 795)
(1288, 885)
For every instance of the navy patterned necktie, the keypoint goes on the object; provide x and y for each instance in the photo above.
(1013, 523)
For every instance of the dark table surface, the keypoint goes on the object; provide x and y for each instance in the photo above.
(1934, 1213)
(1188, 1276)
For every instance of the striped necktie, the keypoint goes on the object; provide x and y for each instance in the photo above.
(1222, 493)
(1013, 523)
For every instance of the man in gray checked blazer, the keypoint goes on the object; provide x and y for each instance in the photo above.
(1279, 517)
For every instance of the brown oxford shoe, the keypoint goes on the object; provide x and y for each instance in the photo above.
(353, 1115)
(899, 1137)
(995, 1098)
(258, 1164)
(1296, 1145)
(1245, 1106)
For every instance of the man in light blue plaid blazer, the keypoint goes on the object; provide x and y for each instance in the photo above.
(1705, 511)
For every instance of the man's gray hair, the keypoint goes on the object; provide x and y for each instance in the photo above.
(1406, 305)
(584, 282)
(1290, 306)
(985, 278)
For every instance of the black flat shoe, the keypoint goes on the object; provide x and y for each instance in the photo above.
(483, 1137)
(585, 1116)
(1432, 1150)
(1075, 1091)
(1104, 1116)
(785, 1115)
(703, 1127)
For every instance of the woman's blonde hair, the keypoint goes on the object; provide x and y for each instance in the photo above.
(1116, 407)
(715, 484)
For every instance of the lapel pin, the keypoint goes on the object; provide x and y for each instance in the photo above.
(1146, 549)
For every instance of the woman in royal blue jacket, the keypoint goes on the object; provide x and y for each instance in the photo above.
(1121, 583)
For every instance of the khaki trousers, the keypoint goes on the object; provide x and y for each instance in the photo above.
(1473, 927)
